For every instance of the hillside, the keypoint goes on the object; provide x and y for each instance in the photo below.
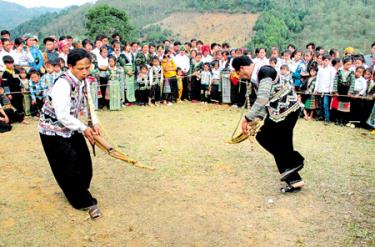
(331, 23)
(211, 27)
(11, 14)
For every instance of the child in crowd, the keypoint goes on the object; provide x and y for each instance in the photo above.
(206, 80)
(273, 63)
(115, 92)
(216, 85)
(195, 79)
(143, 85)
(25, 91)
(12, 85)
(47, 78)
(62, 63)
(311, 102)
(343, 85)
(285, 76)
(38, 91)
(360, 85)
(10, 111)
(180, 76)
(156, 81)
(323, 85)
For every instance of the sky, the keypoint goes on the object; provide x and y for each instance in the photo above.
(49, 3)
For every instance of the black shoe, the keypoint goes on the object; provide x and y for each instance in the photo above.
(290, 186)
(285, 175)
(289, 189)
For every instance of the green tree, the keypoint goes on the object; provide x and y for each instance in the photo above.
(104, 19)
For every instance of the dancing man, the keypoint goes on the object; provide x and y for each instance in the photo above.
(62, 133)
(277, 104)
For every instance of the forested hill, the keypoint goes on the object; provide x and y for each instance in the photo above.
(14, 14)
(330, 23)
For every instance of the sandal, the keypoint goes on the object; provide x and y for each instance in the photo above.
(94, 212)
(285, 175)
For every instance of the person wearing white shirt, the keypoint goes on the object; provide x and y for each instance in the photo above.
(182, 61)
(7, 51)
(22, 57)
(324, 85)
(62, 133)
(260, 61)
(103, 64)
(360, 85)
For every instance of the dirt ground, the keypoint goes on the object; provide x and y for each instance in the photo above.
(203, 193)
(212, 27)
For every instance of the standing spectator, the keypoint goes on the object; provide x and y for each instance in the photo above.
(183, 62)
(169, 70)
(195, 77)
(5, 34)
(324, 84)
(50, 54)
(103, 75)
(343, 85)
(22, 57)
(206, 80)
(7, 51)
(32, 45)
(64, 50)
(13, 83)
(115, 89)
(38, 91)
(156, 81)
(142, 86)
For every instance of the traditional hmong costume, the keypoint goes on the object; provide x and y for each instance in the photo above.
(92, 82)
(195, 79)
(129, 70)
(311, 101)
(12, 85)
(278, 105)
(115, 90)
(61, 135)
(142, 59)
(143, 89)
(156, 83)
(343, 84)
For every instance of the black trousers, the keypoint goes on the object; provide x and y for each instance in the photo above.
(241, 99)
(195, 93)
(277, 138)
(71, 165)
(234, 93)
(103, 88)
(36, 108)
(174, 88)
(185, 90)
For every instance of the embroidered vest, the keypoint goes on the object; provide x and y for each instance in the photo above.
(48, 122)
(283, 101)
(156, 76)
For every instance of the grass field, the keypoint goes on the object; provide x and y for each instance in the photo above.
(203, 193)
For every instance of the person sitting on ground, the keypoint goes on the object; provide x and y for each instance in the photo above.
(4, 121)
